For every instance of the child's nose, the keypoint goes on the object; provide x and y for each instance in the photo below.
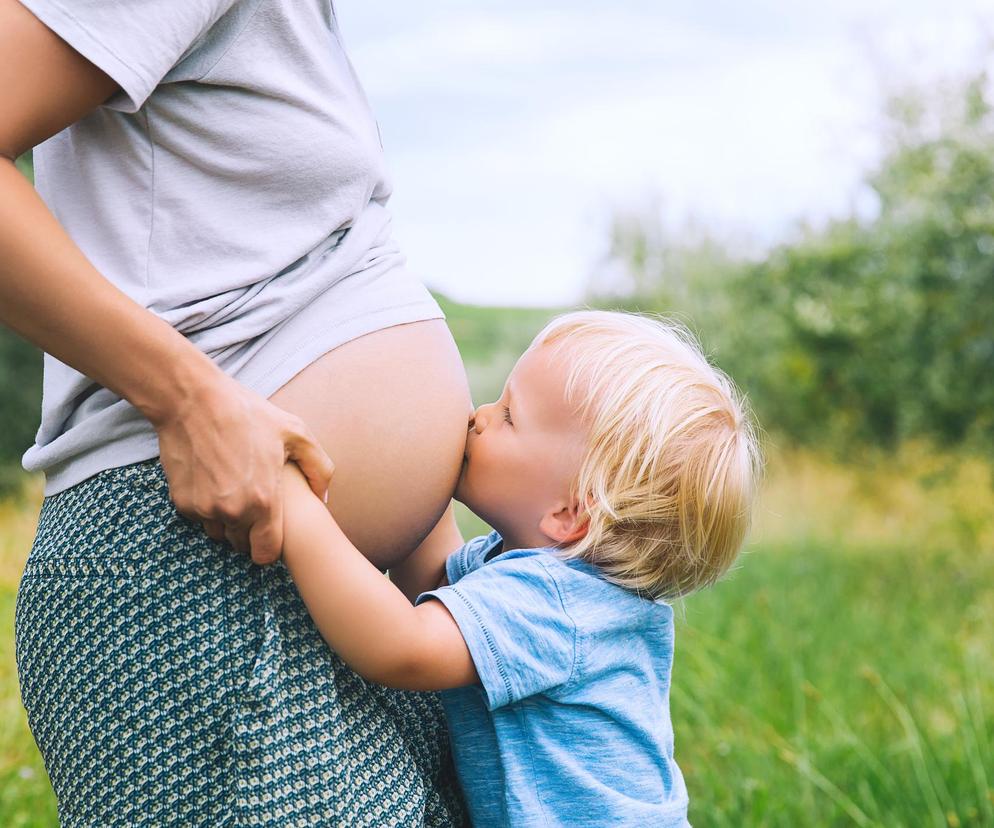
(478, 421)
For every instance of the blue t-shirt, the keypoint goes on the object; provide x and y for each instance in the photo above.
(570, 724)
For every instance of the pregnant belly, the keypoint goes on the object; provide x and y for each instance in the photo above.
(391, 409)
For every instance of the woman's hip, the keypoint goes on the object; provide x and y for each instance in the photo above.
(169, 681)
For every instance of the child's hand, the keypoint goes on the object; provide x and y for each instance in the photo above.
(292, 478)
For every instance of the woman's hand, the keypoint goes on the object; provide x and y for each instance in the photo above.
(223, 448)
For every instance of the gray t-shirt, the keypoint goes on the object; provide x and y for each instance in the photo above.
(235, 187)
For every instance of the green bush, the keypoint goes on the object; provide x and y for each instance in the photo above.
(20, 390)
(869, 331)
(20, 405)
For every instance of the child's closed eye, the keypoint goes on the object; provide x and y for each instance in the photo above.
(507, 415)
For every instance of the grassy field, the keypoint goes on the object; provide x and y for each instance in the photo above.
(841, 675)
(25, 796)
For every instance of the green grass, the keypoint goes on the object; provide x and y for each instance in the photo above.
(817, 686)
(829, 686)
(26, 798)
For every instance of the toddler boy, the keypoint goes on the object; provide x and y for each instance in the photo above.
(618, 470)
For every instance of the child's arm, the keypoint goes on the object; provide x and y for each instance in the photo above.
(361, 615)
(425, 568)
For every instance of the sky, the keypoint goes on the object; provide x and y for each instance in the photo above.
(515, 130)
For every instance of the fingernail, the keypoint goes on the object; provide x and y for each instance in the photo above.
(325, 495)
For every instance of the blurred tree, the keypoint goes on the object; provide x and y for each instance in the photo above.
(868, 331)
(20, 390)
(20, 404)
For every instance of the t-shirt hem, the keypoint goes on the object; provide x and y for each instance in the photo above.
(145, 445)
(312, 347)
(482, 649)
(455, 565)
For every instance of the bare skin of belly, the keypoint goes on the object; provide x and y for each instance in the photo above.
(391, 409)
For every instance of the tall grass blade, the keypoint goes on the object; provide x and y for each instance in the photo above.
(928, 784)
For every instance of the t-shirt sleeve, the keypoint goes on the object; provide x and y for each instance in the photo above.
(471, 555)
(136, 42)
(511, 615)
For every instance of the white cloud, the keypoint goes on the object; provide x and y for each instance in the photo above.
(461, 51)
(514, 130)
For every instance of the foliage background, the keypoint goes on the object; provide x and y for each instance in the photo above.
(866, 332)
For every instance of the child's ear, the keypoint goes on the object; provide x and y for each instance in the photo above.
(565, 523)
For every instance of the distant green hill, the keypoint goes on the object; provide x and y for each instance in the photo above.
(490, 339)
(480, 330)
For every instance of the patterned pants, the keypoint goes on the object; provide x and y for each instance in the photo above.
(169, 681)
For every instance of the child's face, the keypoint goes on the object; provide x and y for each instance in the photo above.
(523, 452)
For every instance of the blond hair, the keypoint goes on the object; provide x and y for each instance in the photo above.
(671, 465)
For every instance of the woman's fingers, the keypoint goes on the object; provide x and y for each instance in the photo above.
(303, 448)
(260, 538)
(214, 530)
(259, 532)
(238, 537)
(265, 538)
(224, 458)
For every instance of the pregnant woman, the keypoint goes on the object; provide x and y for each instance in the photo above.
(210, 270)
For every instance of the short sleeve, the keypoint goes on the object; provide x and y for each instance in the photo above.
(511, 615)
(136, 42)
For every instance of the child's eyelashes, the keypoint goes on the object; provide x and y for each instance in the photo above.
(507, 415)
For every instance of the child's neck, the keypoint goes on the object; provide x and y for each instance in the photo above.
(516, 538)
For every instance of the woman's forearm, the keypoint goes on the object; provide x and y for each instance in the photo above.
(222, 446)
(425, 568)
(52, 296)
(358, 611)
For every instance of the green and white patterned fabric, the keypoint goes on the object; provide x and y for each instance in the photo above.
(169, 681)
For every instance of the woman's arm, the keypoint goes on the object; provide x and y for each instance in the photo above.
(360, 613)
(222, 446)
(425, 568)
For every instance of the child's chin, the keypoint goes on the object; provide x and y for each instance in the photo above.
(462, 490)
